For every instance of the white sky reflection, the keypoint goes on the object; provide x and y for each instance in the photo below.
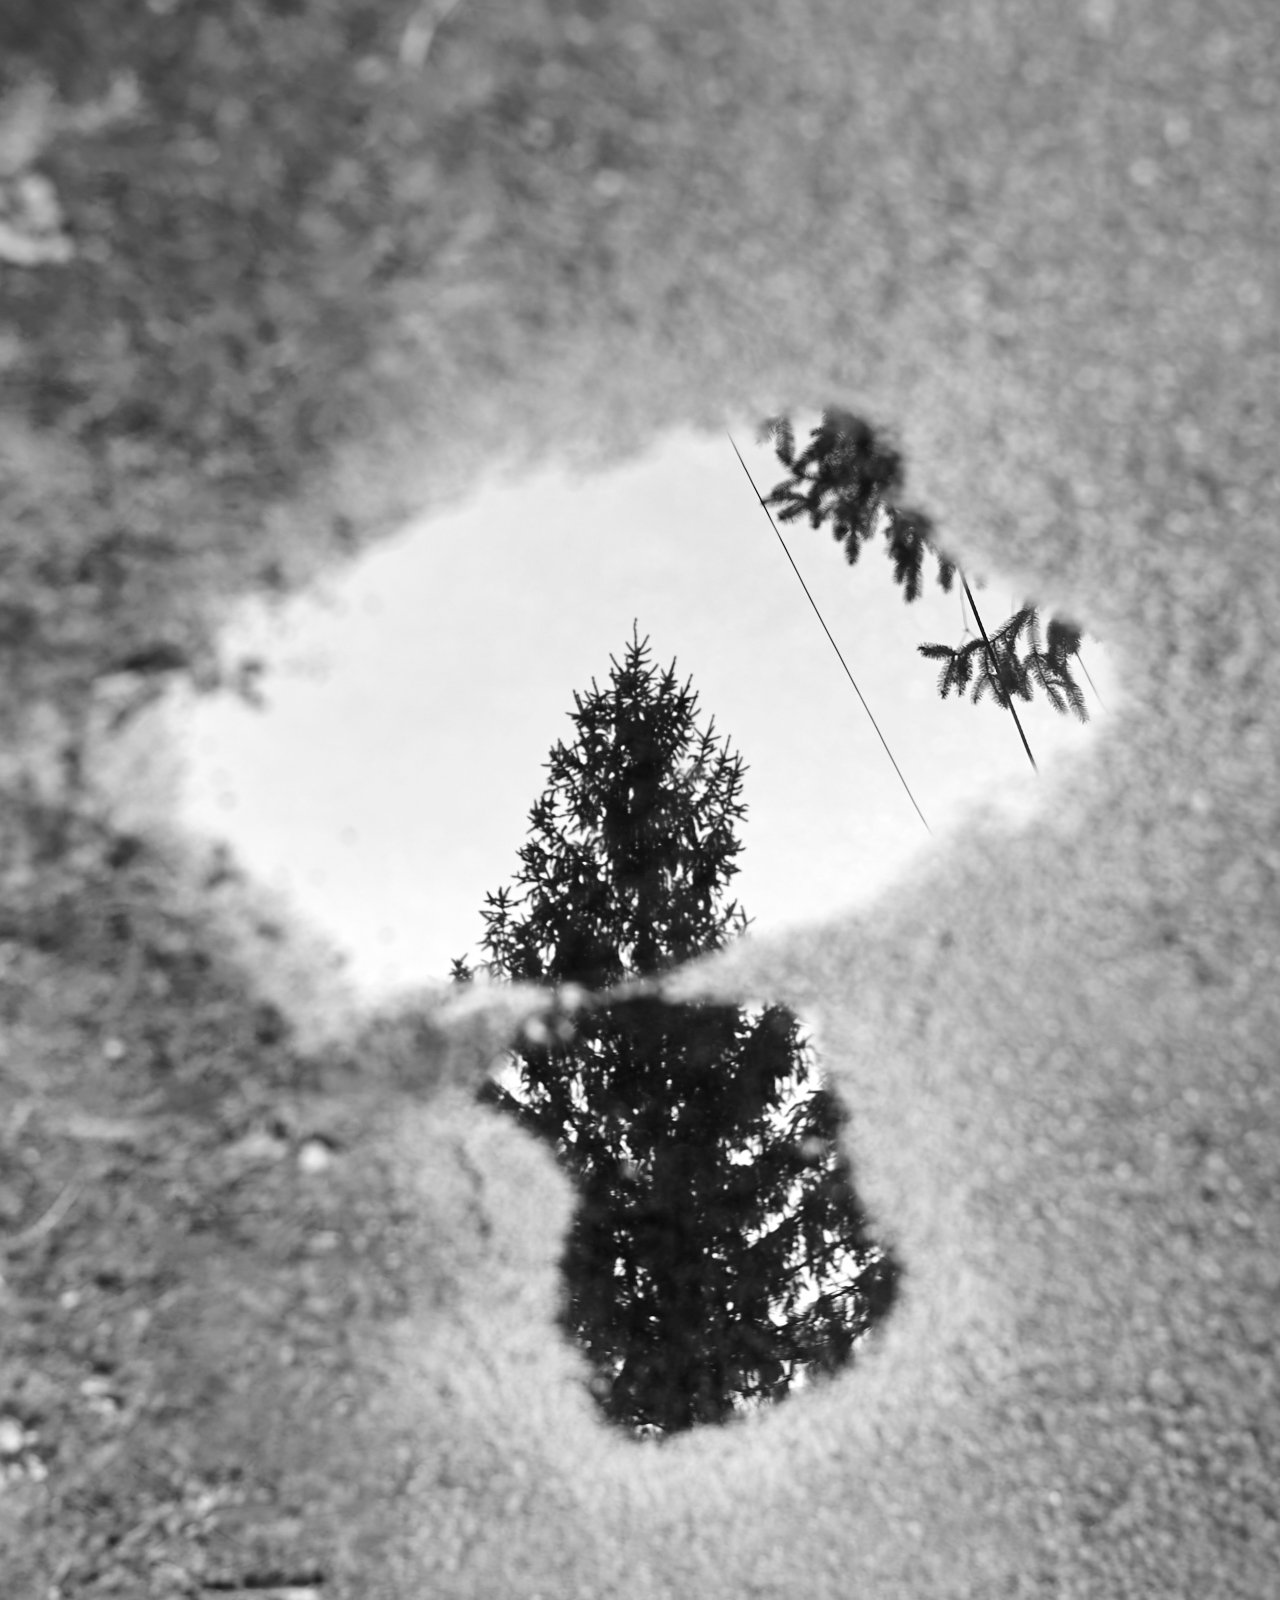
(411, 706)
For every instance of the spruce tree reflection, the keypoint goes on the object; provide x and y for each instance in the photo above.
(718, 1256)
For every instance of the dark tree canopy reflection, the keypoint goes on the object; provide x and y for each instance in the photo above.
(719, 1255)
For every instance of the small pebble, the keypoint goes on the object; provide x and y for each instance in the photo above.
(314, 1155)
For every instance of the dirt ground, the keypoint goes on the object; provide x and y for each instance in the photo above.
(164, 1143)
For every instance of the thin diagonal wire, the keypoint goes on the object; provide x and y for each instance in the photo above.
(827, 631)
(995, 673)
(1092, 684)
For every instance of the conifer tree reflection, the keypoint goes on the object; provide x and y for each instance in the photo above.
(718, 1256)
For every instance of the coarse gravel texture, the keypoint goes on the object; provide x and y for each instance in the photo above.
(278, 1300)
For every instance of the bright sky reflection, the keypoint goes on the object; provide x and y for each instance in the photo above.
(412, 705)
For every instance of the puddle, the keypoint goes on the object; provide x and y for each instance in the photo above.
(639, 656)
(410, 706)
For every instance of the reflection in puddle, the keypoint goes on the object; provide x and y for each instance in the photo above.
(718, 1258)
(409, 712)
(850, 477)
